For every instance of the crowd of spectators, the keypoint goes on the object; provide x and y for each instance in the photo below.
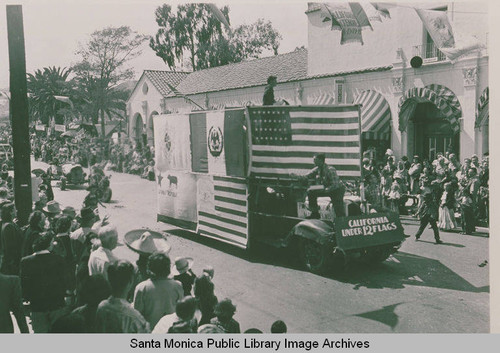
(125, 157)
(460, 190)
(62, 273)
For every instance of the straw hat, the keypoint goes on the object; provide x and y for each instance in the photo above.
(146, 242)
(53, 207)
(182, 265)
(38, 171)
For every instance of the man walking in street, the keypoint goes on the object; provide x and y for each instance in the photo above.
(428, 214)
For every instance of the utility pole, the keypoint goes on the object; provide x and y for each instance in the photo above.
(19, 110)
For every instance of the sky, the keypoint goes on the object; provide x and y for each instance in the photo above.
(53, 29)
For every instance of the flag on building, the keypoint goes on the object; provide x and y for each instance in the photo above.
(342, 18)
(285, 139)
(441, 32)
(383, 8)
(359, 13)
(437, 25)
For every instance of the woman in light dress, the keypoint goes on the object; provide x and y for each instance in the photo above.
(447, 209)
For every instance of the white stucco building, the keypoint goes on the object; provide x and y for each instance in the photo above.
(438, 106)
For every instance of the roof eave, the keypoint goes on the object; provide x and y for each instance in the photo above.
(376, 69)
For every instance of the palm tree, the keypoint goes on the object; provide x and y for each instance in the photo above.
(45, 87)
(96, 101)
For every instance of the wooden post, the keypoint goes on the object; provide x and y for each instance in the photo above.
(20, 117)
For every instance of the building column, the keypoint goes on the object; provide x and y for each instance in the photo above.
(399, 142)
(467, 132)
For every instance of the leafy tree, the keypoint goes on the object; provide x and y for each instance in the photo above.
(102, 67)
(194, 31)
(44, 86)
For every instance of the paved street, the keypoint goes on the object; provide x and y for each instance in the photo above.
(424, 288)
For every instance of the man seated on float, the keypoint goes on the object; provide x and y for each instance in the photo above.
(326, 183)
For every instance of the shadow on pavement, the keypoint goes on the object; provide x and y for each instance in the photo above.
(409, 269)
(386, 315)
(404, 269)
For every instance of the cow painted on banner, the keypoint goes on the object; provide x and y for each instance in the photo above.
(228, 175)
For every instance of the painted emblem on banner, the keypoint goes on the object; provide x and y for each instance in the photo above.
(215, 141)
(167, 144)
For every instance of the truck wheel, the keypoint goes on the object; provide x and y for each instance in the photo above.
(314, 256)
(63, 184)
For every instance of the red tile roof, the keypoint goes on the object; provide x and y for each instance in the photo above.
(161, 78)
(286, 67)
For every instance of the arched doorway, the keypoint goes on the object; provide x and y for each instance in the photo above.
(482, 123)
(430, 116)
(138, 129)
(151, 130)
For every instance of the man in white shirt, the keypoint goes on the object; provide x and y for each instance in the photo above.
(101, 258)
(78, 237)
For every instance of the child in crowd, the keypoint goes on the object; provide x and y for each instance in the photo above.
(224, 312)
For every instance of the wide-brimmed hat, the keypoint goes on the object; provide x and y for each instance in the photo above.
(181, 265)
(38, 171)
(146, 242)
(52, 207)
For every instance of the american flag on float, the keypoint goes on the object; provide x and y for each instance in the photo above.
(284, 139)
(222, 209)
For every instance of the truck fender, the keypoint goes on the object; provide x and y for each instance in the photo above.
(314, 229)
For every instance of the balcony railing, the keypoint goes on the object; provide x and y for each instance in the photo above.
(429, 52)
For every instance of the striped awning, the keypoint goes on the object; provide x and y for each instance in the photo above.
(375, 115)
(324, 99)
(446, 104)
(483, 110)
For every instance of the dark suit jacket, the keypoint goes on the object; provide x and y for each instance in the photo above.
(44, 280)
(12, 245)
(10, 300)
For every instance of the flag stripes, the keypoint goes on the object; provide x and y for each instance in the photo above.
(285, 139)
(228, 220)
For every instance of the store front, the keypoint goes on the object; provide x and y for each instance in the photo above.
(430, 117)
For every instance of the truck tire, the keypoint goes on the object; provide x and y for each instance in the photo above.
(314, 256)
